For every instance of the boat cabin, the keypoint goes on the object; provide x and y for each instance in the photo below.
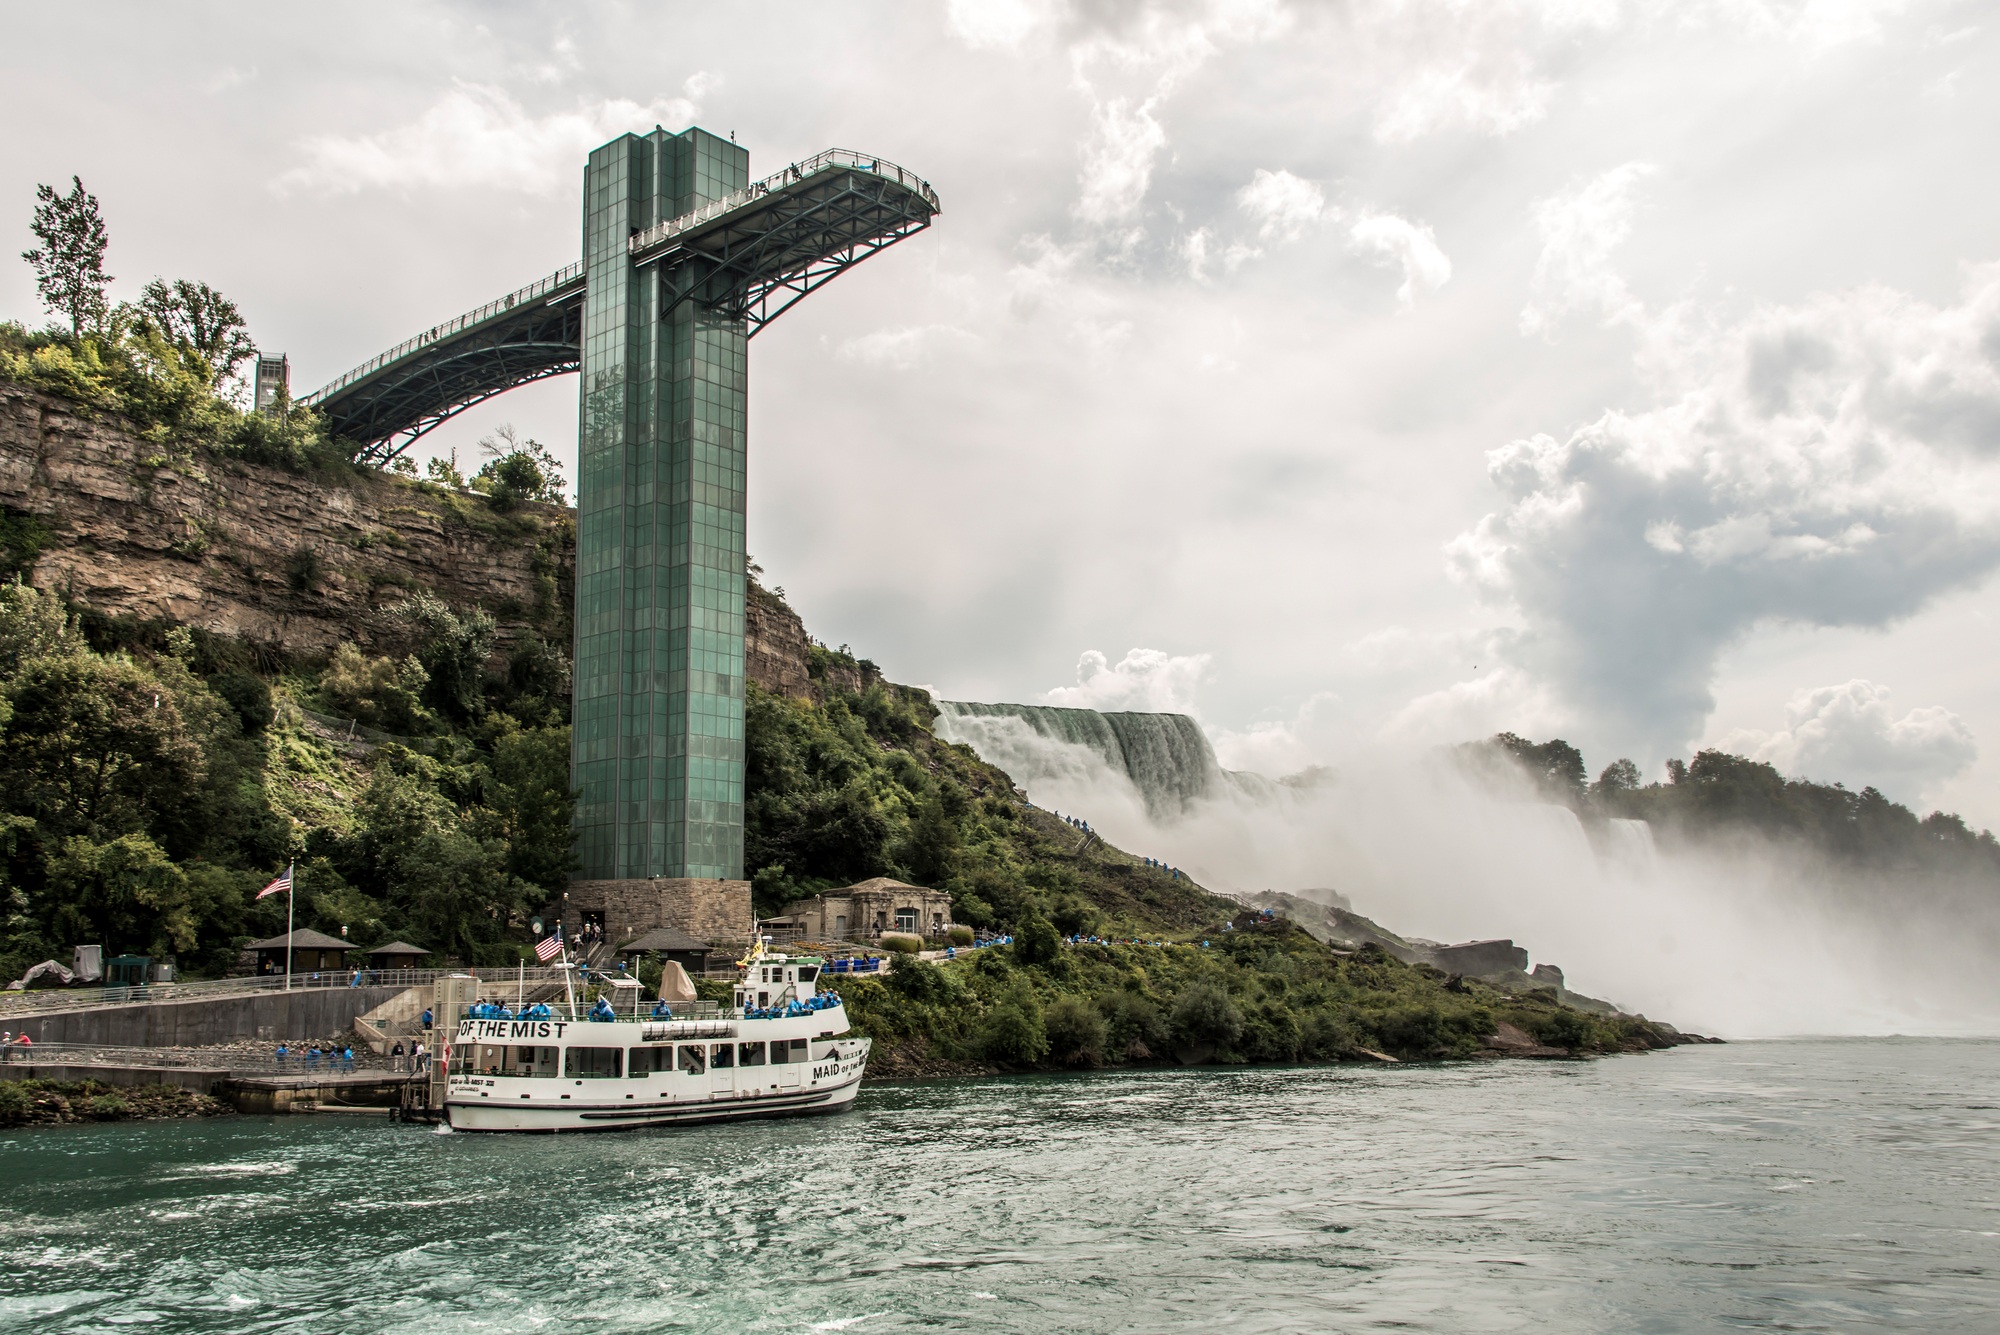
(770, 982)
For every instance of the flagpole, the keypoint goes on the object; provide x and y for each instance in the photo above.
(291, 897)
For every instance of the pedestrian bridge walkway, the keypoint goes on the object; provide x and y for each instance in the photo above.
(749, 255)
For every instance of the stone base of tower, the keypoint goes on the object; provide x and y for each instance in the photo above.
(712, 911)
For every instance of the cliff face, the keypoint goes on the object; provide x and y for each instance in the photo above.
(294, 563)
(776, 653)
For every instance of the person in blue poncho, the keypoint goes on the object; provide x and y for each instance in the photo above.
(602, 1011)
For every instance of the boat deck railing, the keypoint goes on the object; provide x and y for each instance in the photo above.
(580, 1012)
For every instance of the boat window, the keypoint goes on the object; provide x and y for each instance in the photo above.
(694, 1058)
(723, 1056)
(645, 1061)
(467, 1058)
(750, 1054)
(793, 1051)
(807, 973)
(592, 1063)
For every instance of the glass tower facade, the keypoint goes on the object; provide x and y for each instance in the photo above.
(657, 745)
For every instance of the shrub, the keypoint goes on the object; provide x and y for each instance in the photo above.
(374, 690)
(919, 980)
(1076, 1032)
(1037, 941)
(14, 1102)
(106, 1108)
(1013, 1034)
(1204, 1016)
(247, 694)
(960, 934)
(899, 944)
(1564, 1028)
(1134, 1024)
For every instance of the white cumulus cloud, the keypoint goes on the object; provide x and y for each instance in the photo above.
(1580, 229)
(1283, 205)
(1835, 463)
(480, 136)
(1849, 733)
(1130, 69)
(1147, 680)
(1399, 241)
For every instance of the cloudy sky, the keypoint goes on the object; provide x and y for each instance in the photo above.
(1350, 374)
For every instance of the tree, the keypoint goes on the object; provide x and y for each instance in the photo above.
(531, 797)
(1076, 1031)
(518, 470)
(1620, 776)
(97, 746)
(1013, 1033)
(452, 650)
(195, 318)
(34, 624)
(1556, 766)
(125, 893)
(69, 264)
(378, 691)
(1205, 1017)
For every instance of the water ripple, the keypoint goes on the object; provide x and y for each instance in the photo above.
(1832, 1186)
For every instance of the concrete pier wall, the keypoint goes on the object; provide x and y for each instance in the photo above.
(270, 1016)
(201, 1080)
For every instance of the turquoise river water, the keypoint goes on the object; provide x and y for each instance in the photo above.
(1846, 1185)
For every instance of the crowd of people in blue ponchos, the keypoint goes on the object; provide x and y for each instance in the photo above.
(818, 1002)
(498, 1010)
(336, 1058)
(1078, 823)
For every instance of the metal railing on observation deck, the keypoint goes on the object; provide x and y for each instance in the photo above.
(561, 278)
(832, 159)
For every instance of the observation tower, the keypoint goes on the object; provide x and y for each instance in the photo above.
(685, 259)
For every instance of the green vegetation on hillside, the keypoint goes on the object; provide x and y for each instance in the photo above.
(152, 780)
(1261, 991)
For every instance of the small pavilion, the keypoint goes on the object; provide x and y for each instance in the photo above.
(396, 955)
(669, 944)
(311, 952)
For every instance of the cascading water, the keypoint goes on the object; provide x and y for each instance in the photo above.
(1165, 757)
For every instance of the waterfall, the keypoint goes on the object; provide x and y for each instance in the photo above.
(1165, 757)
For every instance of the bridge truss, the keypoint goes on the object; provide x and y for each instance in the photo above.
(750, 255)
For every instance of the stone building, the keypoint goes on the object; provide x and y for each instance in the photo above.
(867, 910)
(714, 911)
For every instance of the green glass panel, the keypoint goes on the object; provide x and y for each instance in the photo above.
(657, 752)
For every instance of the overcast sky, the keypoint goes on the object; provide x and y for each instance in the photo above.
(1344, 373)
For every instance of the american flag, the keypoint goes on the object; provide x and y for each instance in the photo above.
(549, 947)
(279, 886)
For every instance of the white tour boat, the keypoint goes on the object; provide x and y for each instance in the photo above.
(781, 1049)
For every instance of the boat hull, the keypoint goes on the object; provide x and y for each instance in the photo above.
(485, 1103)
